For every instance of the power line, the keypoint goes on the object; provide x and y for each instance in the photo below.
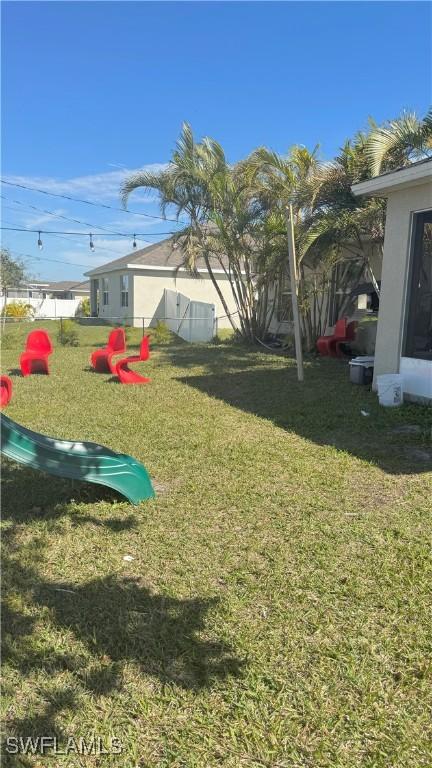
(89, 202)
(57, 261)
(51, 213)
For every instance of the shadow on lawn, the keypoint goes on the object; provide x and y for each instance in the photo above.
(325, 409)
(29, 494)
(214, 358)
(87, 633)
(118, 621)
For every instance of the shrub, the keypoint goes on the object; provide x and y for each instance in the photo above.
(18, 310)
(83, 308)
(67, 334)
(224, 336)
(364, 343)
(160, 334)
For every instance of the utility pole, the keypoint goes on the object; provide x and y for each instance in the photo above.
(294, 291)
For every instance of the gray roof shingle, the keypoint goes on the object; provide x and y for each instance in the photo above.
(160, 254)
(68, 285)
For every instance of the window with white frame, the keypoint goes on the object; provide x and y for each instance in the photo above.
(105, 291)
(124, 290)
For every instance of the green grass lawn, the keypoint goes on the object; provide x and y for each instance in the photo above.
(277, 611)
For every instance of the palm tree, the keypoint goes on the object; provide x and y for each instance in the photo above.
(400, 142)
(339, 224)
(183, 186)
(296, 178)
(334, 231)
(224, 223)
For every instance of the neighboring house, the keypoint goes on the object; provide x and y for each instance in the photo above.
(49, 300)
(65, 289)
(404, 335)
(133, 286)
(68, 289)
(28, 289)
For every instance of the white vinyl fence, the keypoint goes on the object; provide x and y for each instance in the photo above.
(191, 320)
(47, 307)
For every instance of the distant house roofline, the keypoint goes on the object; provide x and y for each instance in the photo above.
(63, 286)
(391, 181)
(149, 268)
(35, 283)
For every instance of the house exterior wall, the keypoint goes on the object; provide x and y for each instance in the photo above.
(94, 296)
(148, 292)
(401, 205)
(113, 308)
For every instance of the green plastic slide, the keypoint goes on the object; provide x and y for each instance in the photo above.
(90, 462)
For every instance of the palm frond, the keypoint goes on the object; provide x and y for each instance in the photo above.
(146, 180)
(399, 141)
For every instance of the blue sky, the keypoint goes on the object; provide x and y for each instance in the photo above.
(91, 90)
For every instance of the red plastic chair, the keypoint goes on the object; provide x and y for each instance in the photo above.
(126, 376)
(101, 358)
(326, 345)
(5, 390)
(349, 336)
(35, 357)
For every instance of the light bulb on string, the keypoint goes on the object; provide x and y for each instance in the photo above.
(134, 245)
(92, 248)
(39, 242)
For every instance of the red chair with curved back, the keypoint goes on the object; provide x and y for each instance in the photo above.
(101, 359)
(37, 350)
(350, 335)
(5, 390)
(331, 345)
(125, 375)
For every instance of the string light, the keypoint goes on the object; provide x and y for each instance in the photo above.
(86, 234)
(67, 239)
(92, 248)
(134, 245)
(39, 242)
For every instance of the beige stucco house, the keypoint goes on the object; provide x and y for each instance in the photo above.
(133, 286)
(404, 335)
